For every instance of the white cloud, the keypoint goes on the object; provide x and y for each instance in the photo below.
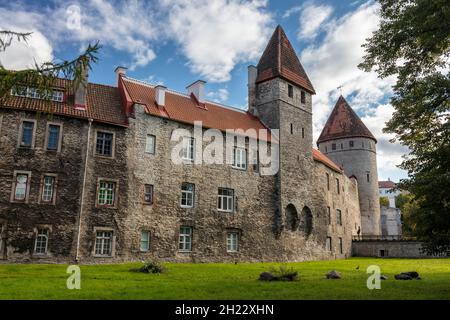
(219, 96)
(311, 20)
(291, 11)
(215, 35)
(333, 62)
(21, 55)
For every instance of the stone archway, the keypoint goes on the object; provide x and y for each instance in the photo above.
(307, 221)
(292, 219)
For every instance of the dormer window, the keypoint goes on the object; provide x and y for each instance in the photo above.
(34, 93)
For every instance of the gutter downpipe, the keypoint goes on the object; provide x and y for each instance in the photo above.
(82, 192)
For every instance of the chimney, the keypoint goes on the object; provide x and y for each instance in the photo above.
(198, 89)
(81, 87)
(120, 71)
(160, 95)
(252, 74)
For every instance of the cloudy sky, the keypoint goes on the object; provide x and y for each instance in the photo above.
(176, 42)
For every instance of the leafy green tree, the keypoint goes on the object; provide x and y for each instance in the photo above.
(384, 201)
(43, 76)
(413, 43)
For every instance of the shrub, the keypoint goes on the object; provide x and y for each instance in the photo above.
(282, 273)
(152, 266)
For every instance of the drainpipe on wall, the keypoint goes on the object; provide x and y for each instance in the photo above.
(82, 191)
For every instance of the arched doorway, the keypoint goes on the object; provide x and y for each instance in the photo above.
(292, 219)
(307, 221)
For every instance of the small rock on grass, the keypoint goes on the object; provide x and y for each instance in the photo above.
(334, 275)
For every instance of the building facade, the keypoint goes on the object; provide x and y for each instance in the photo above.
(90, 176)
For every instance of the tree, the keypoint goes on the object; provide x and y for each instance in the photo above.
(384, 201)
(413, 43)
(43, 77)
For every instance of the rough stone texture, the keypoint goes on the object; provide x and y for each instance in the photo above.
(391, 222)
(392, 249)
(359, 161)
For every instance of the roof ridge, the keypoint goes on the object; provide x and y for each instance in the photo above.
(186, 95)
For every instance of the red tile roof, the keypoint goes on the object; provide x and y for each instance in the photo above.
(103, 104)
(280, 60)
(319, 156)
(182, 108)
(344, 123)
(386, 184)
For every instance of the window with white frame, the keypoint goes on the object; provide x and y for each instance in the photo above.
(240, 158)
(21, 186)
(53, 136)
(104, 144)
(48, 188)
(187, 150)
(145, 241)
(148, 194)
(106, 193)
(103, 243)
(26, 139)
(225, 200)
(41, 243)
(34, 93)
(185, 242)
(187, 195)
(328, 244)
(150, 144)
(232, 241)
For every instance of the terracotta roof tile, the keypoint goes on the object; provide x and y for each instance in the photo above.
(386, 184)
(182, 108)
(280, 60)
(319, 156)
(103, 104)
(344, 123)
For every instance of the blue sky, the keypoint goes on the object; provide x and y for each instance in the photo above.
(176, 42)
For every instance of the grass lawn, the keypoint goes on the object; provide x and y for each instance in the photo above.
(228, 281)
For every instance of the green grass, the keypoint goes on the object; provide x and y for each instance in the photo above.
(228, 281)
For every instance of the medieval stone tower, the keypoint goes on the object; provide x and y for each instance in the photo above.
(347, 141)
(280, 95)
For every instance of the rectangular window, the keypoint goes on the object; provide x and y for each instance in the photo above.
(240, 158)
(225, 200)
(339, 217)
(328, 181)
(57, 96)
(328, 244)
(2, 228)
(292, 128)
(107, 192)
(103, 243)
(185, 243)
(232, 241)
(104, 145)
(351, 144)
(187, 195)
(338, 189)
(53, 137)
(290, 91)
(30, 92)
(255, 161)
(150, 144)
(145, 241)
(333, 146)
(329, 215)
(41, 243)
(148, 194)
(302, 97)
(188, 148)
(303, 133)
(21, 186)
(341, 246)
(26, 140)
(48, 189)
(368, 177)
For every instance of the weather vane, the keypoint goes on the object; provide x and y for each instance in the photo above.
(340, 89)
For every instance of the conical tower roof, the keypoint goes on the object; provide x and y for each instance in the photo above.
(280, 60)
(344, 123)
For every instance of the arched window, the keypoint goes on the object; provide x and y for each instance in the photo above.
(292, 219)
(307, 221)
